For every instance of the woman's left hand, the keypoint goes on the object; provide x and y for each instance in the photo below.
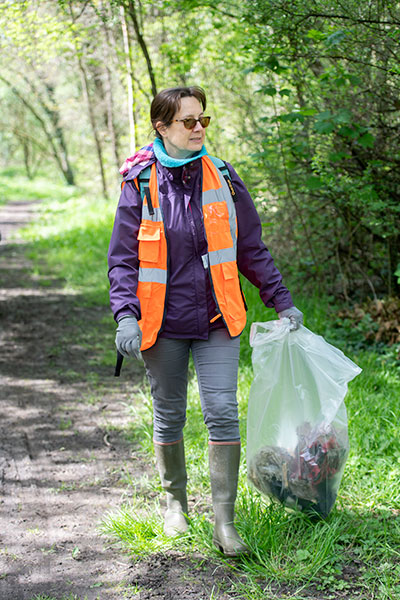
(294, 314)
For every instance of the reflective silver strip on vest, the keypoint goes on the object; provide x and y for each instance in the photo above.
(148, 217)
(221, 256)
(204, 258)
(210, 196)
(152, 275)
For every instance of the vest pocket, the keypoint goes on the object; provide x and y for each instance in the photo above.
(149, 237)
(233, 296)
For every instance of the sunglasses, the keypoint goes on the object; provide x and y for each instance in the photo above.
(190, 123)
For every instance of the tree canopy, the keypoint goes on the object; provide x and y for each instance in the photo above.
(304, 99)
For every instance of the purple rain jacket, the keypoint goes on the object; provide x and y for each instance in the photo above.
(189, 302)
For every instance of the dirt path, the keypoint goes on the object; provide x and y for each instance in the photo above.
(60, 470)
(61, 464)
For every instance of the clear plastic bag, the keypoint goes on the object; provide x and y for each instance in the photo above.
(297, 434)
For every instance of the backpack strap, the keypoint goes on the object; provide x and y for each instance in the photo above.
(141, 183)
(221, 165)
(143, 180)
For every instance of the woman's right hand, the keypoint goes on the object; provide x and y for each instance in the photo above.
(129, 337)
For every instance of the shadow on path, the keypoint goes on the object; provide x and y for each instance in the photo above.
(62, 455)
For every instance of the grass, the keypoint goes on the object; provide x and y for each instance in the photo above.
(16, 187)
(73, 234)
(354, 553)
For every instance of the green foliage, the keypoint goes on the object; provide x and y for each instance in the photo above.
(303, 97)
(336, 132)
(397, 273)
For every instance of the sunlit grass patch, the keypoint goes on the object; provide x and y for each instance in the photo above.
(137, 527)
(140, 536)
(71, 237)
(16, 187)
(348, 551)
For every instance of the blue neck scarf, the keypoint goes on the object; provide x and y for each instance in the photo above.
(168, 161)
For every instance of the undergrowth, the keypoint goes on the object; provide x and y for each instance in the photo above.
(16, 187)
(354, 552)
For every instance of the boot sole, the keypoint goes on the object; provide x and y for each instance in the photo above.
(233, 553)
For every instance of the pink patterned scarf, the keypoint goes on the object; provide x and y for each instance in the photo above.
(140, 157)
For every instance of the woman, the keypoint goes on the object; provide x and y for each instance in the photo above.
(178, 242)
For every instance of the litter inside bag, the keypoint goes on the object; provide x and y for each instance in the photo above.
(297, 439)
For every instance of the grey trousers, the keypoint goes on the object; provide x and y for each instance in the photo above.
(216, 361)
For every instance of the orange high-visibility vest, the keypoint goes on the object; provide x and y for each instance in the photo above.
(221, 233)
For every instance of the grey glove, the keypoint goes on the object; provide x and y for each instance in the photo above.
(295, 316)
(129, 337)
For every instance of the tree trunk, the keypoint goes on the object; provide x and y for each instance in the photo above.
(91, 110)
(109, 95)
(93, 124)
(54, 117)
(129, 83)
(142, 44)
(27, 155)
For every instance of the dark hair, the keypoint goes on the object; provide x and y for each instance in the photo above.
(168, 102)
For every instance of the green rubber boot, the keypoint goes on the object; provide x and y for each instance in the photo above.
(170, 460)
(224, 462)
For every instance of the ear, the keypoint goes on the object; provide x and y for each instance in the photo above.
(161, 128)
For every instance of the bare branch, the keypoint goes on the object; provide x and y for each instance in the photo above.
(341, 17)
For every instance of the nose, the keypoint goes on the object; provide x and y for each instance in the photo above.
(198, 126)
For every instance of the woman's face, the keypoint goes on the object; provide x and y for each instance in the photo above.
(180, 142)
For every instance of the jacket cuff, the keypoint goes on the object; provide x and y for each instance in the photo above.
(124, 313)
(282, 301)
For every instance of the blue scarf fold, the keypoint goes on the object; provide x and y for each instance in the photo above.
(168, 161)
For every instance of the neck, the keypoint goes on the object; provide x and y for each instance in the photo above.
(175, 152)
(168, 160)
